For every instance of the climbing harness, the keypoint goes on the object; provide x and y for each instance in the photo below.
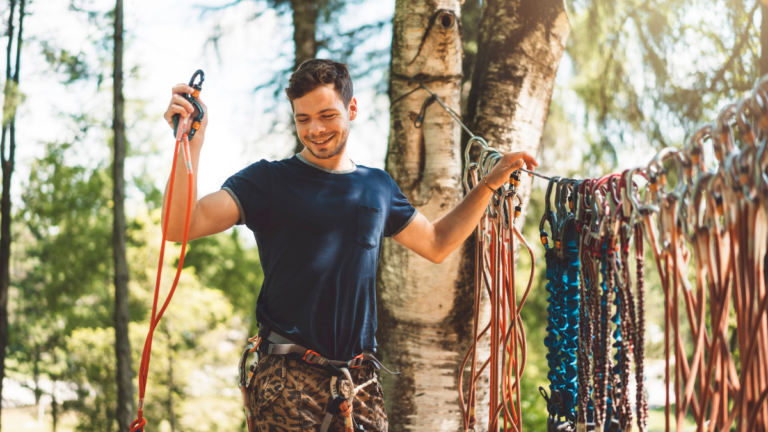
(270, 342)
(183, 132)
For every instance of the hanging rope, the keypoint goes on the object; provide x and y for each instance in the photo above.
(563, 309)
(495, 239)
(183, 131)
(712, 219)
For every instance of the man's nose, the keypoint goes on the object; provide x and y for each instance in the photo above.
(316, 128)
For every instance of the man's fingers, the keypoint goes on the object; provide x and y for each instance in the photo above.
(182, 88)
(179, 100)
(172, 110)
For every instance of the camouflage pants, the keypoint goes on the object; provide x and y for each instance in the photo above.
(290, 395)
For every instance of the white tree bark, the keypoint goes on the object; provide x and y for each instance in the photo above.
(416, 297)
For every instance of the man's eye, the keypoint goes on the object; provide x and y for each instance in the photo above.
(329, 116)
(303, 120)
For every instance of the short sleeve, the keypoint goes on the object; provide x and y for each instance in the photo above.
(401, 212)
(249, 189)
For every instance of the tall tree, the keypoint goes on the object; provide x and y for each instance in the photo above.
(520, 44)
(305, 13)
(10, 104)
(416, 298)
(122, 313)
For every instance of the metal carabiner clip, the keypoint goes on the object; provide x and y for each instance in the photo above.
(181, 127)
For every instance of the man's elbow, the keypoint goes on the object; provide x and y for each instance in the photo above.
(438, 258)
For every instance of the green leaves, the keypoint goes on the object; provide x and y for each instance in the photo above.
(72, 66)
(61, 304)
(649, 72)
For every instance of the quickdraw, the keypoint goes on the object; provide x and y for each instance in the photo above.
(183, 132)
(718, 217)
(591, 333)
(563, 310)
(495, 275)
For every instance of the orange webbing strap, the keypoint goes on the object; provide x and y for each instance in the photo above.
(138, 424)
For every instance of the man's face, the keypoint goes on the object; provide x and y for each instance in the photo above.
(322, 121)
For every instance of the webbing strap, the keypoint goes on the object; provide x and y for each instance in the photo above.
(281, 345)
(333, 409)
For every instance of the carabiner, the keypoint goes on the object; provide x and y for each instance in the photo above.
(197, 120)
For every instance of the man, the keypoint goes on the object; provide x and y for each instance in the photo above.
(319, 221)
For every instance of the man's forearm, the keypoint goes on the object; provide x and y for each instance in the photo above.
(180, 189)
(455, 226)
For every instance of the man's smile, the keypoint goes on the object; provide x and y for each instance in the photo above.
(322, 142)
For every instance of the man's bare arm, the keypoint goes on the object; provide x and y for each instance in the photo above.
(213, 213)
(436, 240)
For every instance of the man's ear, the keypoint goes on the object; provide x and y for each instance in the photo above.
(352, 109)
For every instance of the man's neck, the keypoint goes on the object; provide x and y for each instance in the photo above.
(340, 162)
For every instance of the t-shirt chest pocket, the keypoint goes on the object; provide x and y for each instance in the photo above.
(369, 226)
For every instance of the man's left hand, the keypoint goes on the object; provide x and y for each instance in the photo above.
(509, 163)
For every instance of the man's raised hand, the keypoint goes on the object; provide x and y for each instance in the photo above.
(183, 107)
(509, 163)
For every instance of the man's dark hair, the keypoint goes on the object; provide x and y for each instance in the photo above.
(316, 72)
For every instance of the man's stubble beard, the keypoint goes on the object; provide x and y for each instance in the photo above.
(337, 150)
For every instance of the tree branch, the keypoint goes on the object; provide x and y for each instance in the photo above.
(736, 51)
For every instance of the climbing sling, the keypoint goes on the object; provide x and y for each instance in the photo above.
(184, 130)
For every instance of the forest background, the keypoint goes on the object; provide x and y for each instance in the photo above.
(635, 76)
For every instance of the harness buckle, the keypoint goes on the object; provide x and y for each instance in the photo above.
(309, 355)
(356, 362)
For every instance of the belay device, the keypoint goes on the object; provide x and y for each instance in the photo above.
(184, 131)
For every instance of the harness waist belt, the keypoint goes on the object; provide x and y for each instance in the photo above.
(281, 346)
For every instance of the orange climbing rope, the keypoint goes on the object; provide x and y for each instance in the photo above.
(495, 275)
(184, 130)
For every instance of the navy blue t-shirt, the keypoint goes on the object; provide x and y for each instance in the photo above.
(319, 233)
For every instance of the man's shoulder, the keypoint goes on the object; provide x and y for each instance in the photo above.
(263, 165)
(375, 174)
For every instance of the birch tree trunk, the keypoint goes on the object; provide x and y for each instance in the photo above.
(416, 314)
(520, 45)
(122, 315)
(12, 99)
(425, 309)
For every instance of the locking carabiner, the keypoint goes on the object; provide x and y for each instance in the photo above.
(186, 128)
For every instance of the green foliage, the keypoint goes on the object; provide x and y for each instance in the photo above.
(223, 262)
(61, 306)
(195, 343)
(67, 210)
(656, 69)
(72, 66)
(91, 367)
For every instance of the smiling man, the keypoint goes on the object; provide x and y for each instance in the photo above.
(319, 221)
